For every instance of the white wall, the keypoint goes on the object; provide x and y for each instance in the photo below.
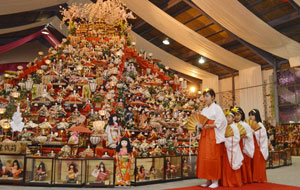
(24, 53)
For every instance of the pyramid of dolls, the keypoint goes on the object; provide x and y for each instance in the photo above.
(96, 87)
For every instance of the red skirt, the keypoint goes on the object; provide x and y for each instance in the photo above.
(258, 165)
(230, 177)
(209, 156)
(246, 167)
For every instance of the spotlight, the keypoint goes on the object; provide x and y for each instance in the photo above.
(192, 89)
(201, 60)
(166, 41)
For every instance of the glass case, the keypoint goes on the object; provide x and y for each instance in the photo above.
(188, 166)
(288, 157)
(12, 169)
(100, 172)
(69, 172)
(173, 167)
(148, 170)
(39, 170)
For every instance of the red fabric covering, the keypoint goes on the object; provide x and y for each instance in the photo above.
(253, 186)
(12, 66)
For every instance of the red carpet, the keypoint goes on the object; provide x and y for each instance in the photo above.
(255, 186)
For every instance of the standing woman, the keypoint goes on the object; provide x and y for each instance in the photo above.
(247, 145)
(261, 151)
(212, 135)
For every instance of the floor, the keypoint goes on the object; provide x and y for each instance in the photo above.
(288, 175)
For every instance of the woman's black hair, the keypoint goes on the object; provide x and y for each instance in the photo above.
(101, 163)
(42, 164)
(110, 120)
(129, 148)
(1, 165)
(210, 91)
(16, 161)
(256, 113)
(152, 168)
(74, 167)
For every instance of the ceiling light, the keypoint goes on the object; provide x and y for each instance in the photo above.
(201, 60)
(166, 41)
(192, 89)
(45, 31)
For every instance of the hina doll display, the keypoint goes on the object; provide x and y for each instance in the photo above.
(142, 173)
(123, 162)
(41, 171)
(72, 173)
(101, 173)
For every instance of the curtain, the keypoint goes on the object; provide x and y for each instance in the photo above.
(18, 6)
(239, 20)
(251, 90)
(185, 36)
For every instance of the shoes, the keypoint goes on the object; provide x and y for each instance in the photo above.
(214, 184)
(208, 182)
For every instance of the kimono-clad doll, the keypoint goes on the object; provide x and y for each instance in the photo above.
(101, 173)
(124, 157)
(41, 171)
(14, 170)
(113, 131)
(72, 173)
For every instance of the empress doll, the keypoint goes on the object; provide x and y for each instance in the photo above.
(101, 173)
(72, 173)
(142, 173)
(41, 171)
(123, 162)
(113, 131)
(14, 170)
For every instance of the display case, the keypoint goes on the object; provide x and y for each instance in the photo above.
(39, 171)
(173, 168)
(69, 172)
(12, 169)
(148, 170)
(100, 172)
(188, 166)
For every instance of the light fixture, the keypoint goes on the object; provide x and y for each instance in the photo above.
(166, 41)
(199, 92)
(167, 68)
(45, 31)
(192, 89)
(2, 110)
(15, 94)
(29, 84)
(201, 60)
(93, 86)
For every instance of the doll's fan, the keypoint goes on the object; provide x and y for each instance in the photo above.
(194, 120)
(253, 124)
(242, 130)
(229, 132)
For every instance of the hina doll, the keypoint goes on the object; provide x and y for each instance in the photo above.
(142, 173)
(72, 173)
(41, 171)
(232, 159)
(124, 159)
(212, 135)
(14, 170)
(170, 169)
(101, 173)
(261, 151)
(152, 173)
(186, 168)
(113, 131)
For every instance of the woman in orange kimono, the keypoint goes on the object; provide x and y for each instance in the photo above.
(212, 135)
(261, 151)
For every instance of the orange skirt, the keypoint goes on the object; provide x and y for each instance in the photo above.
(258, 165)
(209, 156)
(246, 167)
(230, 177)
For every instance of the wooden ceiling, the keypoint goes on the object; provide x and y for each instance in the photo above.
(283, 16)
